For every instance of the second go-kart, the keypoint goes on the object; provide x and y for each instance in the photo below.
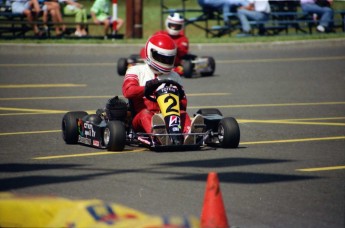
(110, 128)
(191, 64)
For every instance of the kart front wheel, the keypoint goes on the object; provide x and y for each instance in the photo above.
(122, 65)
(70, 127)
(114, 136)
(228, 133)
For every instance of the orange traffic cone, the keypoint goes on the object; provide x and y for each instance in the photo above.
(213, 212)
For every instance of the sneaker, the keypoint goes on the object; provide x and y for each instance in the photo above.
(78, 34)
(320, 28)
(158, 127)
(244, 34)
(197, 126)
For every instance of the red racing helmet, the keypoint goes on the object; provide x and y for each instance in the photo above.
(160, 52)
(174, 24)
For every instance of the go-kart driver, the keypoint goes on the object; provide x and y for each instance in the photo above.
(160, 52)
(174, 28)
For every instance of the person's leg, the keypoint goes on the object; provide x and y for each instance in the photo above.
(52, 13)
(311, 8)
(78, 18)
(83, 20)
(325, 13)
(27, 12)
(23, 8)
(242, 16)
(248, 15)
(106, 24)
(119, 23)
(185, 121)
(29, 17)
(226, 11)
(57, 8)
(194, 126)
(45, 16)
(103, 19)
(260, 19)
(326, 17)
(54, 10)
(34, 11)
(142, 121)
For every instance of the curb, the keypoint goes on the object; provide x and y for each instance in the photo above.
(109, 49)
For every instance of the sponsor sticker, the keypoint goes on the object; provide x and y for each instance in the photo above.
(95, 143)
(84, 140)
(174, 120)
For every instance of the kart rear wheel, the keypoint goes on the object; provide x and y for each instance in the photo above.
(122, 65)
(114, 136)
(70, 127)
(228, 133)
(211, 65)
(188, 68)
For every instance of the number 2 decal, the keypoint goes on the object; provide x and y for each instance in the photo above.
(173, 104)
(169, 104)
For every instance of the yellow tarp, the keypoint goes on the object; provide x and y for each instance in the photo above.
(48, 211)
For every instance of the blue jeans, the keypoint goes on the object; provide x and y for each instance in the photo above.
(325, 13)
(245, 15)
(223, 6)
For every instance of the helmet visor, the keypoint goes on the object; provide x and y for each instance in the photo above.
(174, 26)
(165, 59)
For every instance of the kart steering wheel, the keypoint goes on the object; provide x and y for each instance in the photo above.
(152, 90)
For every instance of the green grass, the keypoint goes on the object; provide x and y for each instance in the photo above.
(152, 23)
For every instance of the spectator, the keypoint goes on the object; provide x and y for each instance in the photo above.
(72, 7)
(255, 10)
(26, 7)
(160, 54)
(224, 6)
(322, 8)
(174, 25)
(100, 12)
(52, 8)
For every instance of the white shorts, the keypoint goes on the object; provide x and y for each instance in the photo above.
(19, 7)
(44, 7)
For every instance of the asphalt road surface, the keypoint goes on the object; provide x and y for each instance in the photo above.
(289, 170)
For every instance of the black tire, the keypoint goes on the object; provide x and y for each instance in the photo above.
(114, 136)
(70, 127)
(212, 65)
(122, 65)
(188, 68)
(209, 111)
(228, 133)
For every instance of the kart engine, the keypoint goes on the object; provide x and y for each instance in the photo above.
(116, 109)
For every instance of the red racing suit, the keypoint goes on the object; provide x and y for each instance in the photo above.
(133, 88)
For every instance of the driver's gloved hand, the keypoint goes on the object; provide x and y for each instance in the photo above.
(150, 86)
